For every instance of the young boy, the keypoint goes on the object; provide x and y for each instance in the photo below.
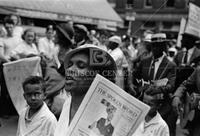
(36, 119)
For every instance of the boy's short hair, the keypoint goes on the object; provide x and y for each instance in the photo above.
(34, 80)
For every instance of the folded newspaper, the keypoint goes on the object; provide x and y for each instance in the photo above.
(107, 110)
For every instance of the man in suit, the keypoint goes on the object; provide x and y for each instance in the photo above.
(104, 125)
(192, 84)
(155, 68)
(186, 57)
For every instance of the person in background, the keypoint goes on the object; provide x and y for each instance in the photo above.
(155, 68)
(36, 119)
(120, 60)
(153, 124)
(93, 38)
(46, 45)
(185, 58)
(27, 48)
(191, 85)
(172, 53)
(18, 30)
(80, 35)
(8, 43)
(78, 63)
(54, 75)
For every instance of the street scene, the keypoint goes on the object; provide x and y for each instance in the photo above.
(100, 67)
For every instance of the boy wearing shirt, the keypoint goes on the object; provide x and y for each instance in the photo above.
(36, 119)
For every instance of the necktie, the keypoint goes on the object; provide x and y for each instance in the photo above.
(185, 57)
(152, 68)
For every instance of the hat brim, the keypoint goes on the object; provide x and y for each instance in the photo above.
(192, 36)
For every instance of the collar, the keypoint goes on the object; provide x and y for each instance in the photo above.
(154, 121)
(159, 59)
(190, 51)
(27, 111)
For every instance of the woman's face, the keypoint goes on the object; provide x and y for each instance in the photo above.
(77, 74)
(15, 19)
(29, 37)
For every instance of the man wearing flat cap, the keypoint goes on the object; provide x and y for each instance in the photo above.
(154, 69)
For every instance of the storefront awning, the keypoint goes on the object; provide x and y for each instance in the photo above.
(80, 11)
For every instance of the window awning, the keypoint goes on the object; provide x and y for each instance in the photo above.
(80, 11)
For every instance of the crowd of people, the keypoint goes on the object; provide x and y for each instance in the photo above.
(151, 68)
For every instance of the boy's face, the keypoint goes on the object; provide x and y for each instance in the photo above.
(34, 95)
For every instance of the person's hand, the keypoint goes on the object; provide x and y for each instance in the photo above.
(131, 90)
(176, 103)
(152, 90)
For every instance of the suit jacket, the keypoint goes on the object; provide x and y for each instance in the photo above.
(192, 84)
(179, 57)
(167, 69)
(183, 72)
(105, 130)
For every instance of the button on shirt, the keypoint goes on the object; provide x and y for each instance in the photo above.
(155, 127)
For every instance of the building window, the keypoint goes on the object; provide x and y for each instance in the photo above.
(148, 3)
(170, 3)
(129, 4)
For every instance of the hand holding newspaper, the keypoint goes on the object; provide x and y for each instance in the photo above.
(106, 110)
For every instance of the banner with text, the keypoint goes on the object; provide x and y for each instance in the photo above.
(15, 73)
(193, 23)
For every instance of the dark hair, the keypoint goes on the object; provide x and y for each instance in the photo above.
(34, 80)
(28, 30)
(49, 27)
(8, 20)
(18, 18)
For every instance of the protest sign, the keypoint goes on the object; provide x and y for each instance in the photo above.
(181, 31)
(106, 100)
(15, 73)
(193, 23)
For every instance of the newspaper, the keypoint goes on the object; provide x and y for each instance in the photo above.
(193, 23)
(104, 100)
(15, 73)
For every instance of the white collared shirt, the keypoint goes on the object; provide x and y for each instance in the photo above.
(42, 123)
(155, 127)
(190, 52)
(157, 64)
(47, 47)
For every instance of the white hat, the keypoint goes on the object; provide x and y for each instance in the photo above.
(147, 38)
(115, 39)
(159, 37)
